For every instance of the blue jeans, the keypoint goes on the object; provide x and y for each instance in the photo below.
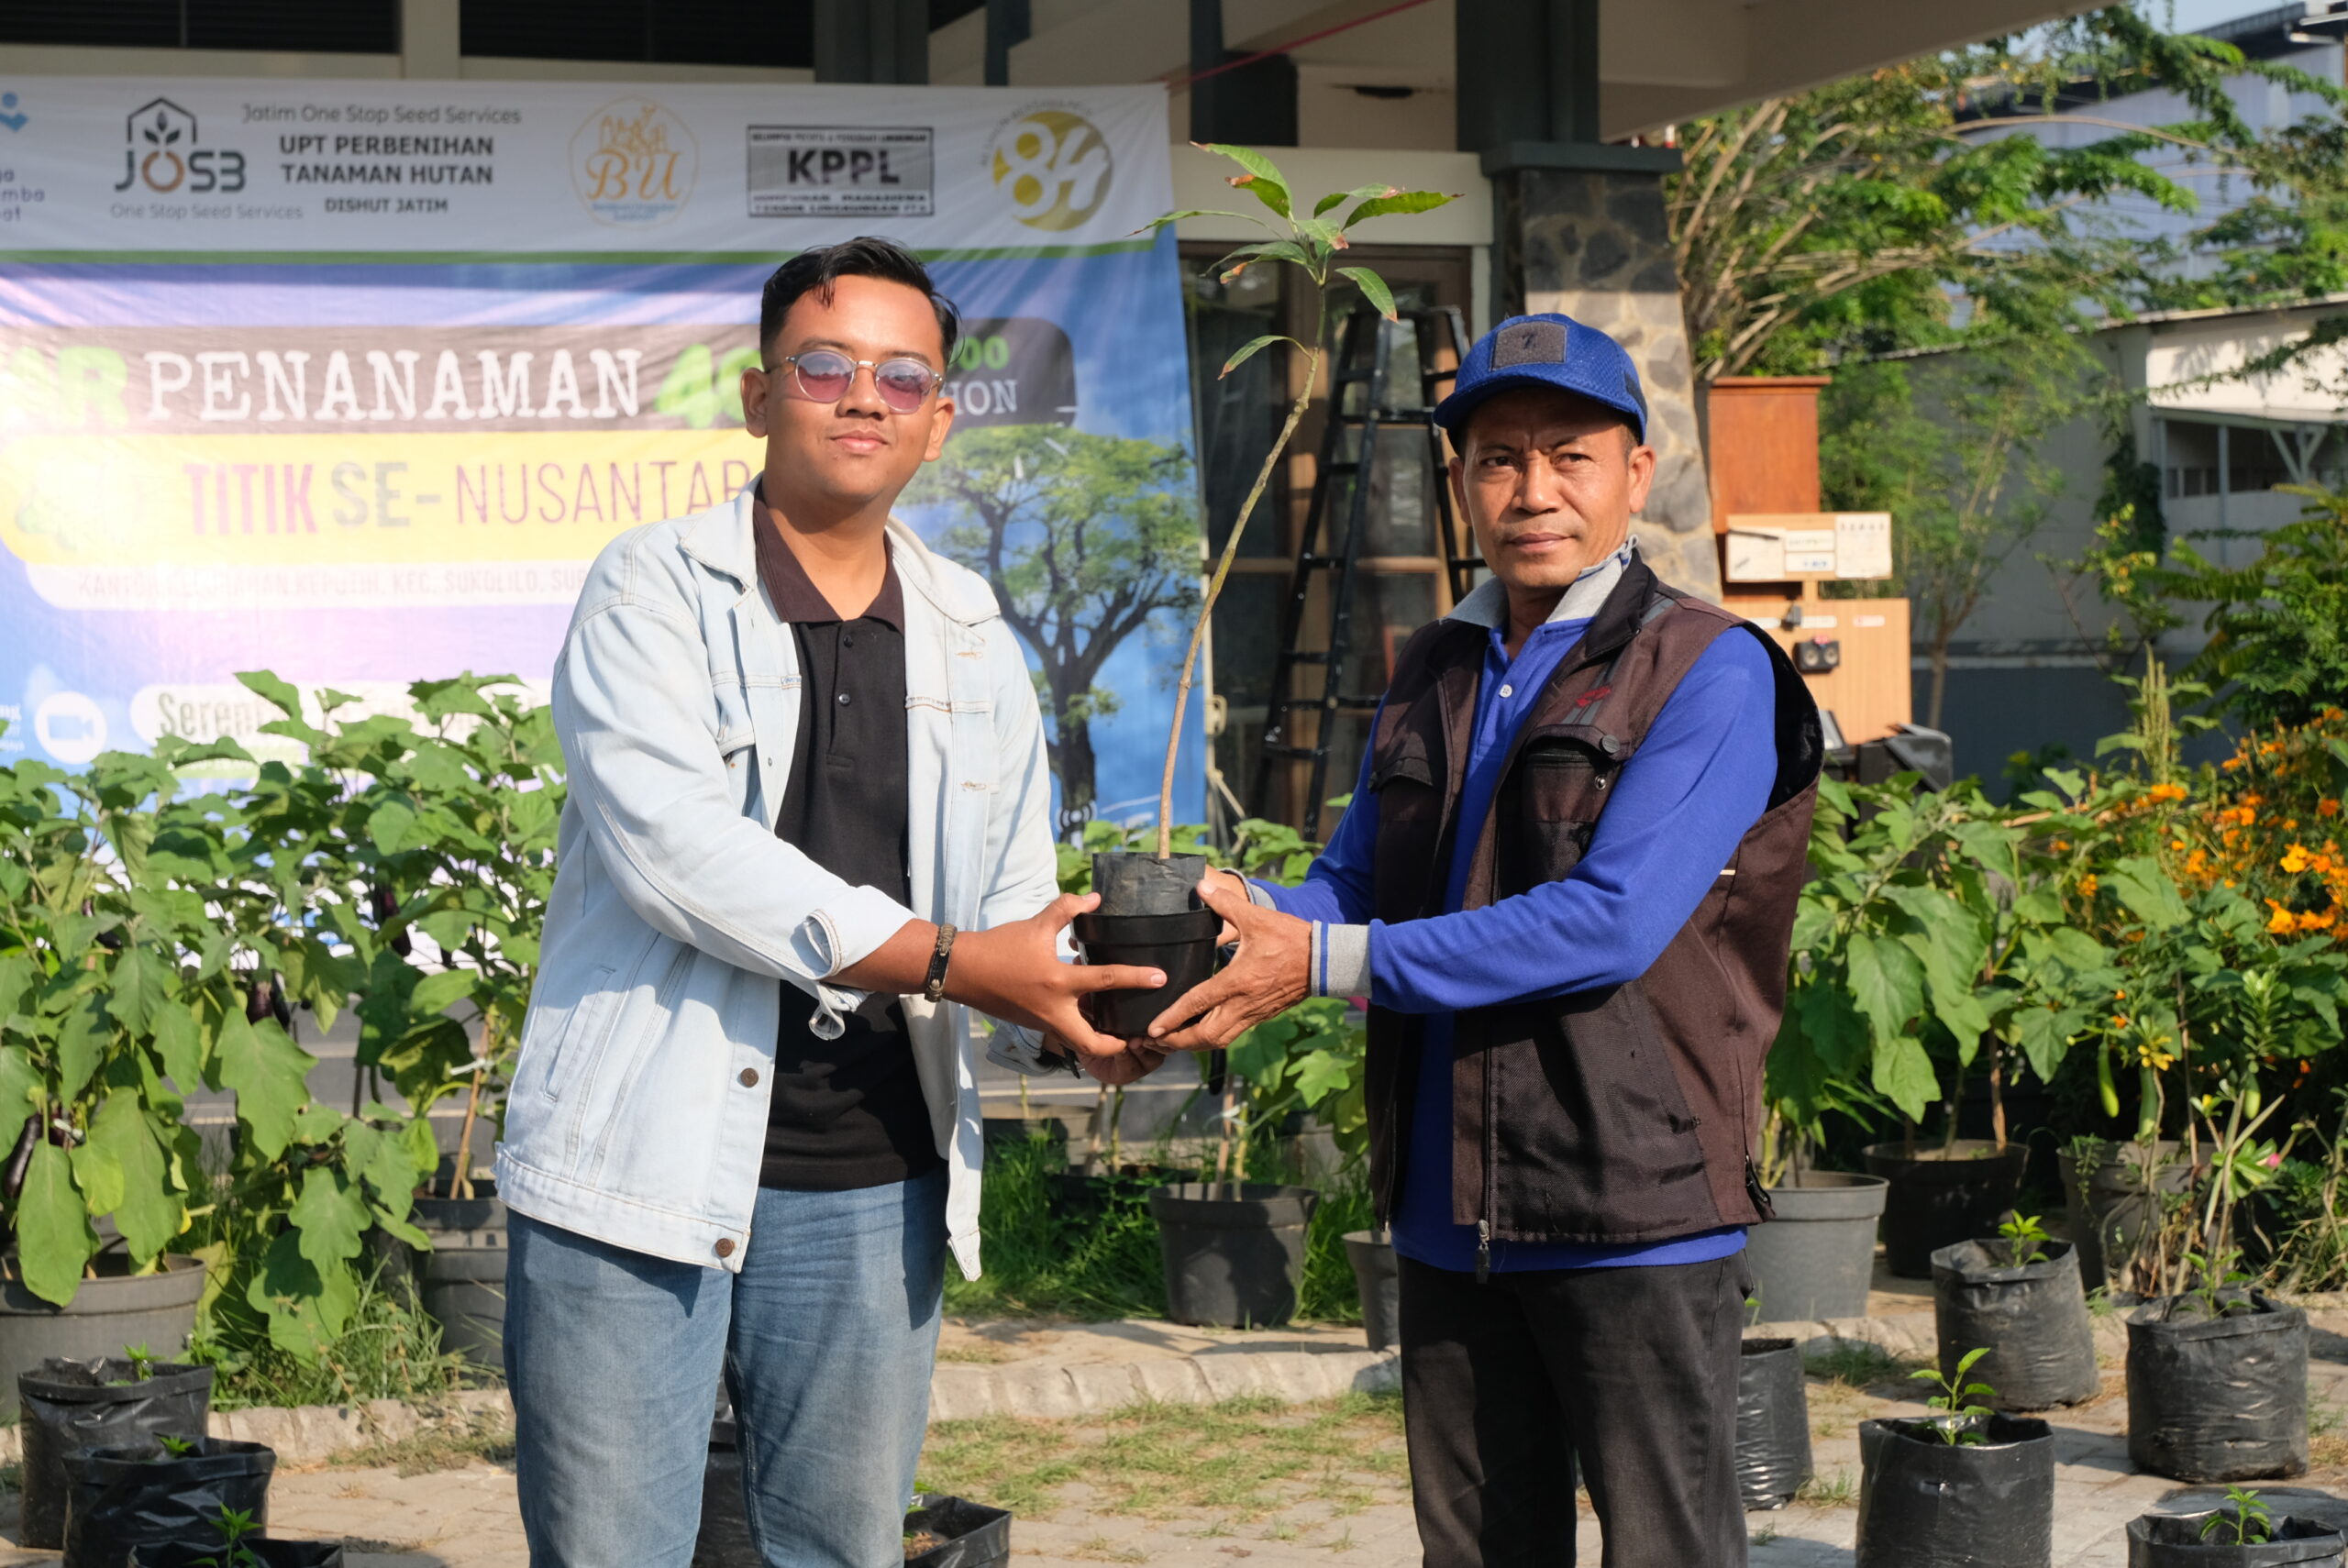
(826, 1341)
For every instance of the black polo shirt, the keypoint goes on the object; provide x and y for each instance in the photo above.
(846, 1112)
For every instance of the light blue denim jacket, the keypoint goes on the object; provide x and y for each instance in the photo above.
(680, 925)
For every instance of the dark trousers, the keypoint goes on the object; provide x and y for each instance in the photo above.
(1632, 1370)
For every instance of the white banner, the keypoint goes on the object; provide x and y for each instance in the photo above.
(121, 168)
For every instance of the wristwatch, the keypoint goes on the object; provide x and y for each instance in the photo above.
(933, 986)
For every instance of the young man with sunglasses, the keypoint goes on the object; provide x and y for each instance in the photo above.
(807, 827)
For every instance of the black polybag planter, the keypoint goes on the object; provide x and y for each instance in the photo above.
(70, 1405)
(2032, 1319)
(2113, 1205)
(1234, 1251)
(2221, 1398)
(1772, 1423)
(1938, 1201)
(273, 1554)
(2174, 1541)
(1149, 915)
(1924, 1503)
(975, 1535)
(126, 1498)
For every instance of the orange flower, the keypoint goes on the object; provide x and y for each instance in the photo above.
(2088, 886)
(2315, 919)
(2282, 922)
(2295, 859)
(2327, 807)
(2119, 1020)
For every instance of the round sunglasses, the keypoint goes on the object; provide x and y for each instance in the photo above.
(824, 375)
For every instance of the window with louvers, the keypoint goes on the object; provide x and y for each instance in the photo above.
(347, 27)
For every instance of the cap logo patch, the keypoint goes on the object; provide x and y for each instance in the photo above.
(1531, 343)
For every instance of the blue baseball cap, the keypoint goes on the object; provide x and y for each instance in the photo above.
(1548, 350)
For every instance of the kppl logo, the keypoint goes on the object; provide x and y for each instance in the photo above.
(634, 163)
(1053, 166)
(162, 155)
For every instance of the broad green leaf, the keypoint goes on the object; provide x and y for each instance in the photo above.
(2145, 888)
(54, 1242)
(1162, 219)
(331, 1218)
(1259, 1054)
(316, 1124)
(83, 1037)
(1835, 1034)
(99, 1175)
(307, 1307)
(1373, 290)
(2045, 1037)
(392, 825)
(1248, 350)
(1886, 985)
(268, 1072)
(147, 1212)
(397, 1225)
(436, 994)
(279, 694)
(1321, 1073)
(1903, 1075)
(180, 1042)
(139, 985)
(16, 973)
(1400, 202)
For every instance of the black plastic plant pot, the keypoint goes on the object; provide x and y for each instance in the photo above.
(72, 1405)
(954, 1532)
(1149, 915)
(123, 1498)
(1234, 1251)
(2175, 1540)
(1928, 1502)
(1080, 1196)
(1815, 1258)
(2032, 1318)
(2221, 1398)
(461, 1281)
(1379, 1281)
(1940, 1197)
(272, 1554)
(1772, 1423)
(114, 1309)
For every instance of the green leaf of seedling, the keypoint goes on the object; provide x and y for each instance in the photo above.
(1399, 202)
(1262, 178)
(82, 1036)
(19, 1081)
(1250, 350)
(1373, 290)
(2148, 892)
(180, 1043)
(1358, 194)
(1886, 984)
(306, 1306)
(392, 825)
(53, 1237)
(1162, 219)
(140, 987)
(1903, 1073)
(393, 1225)
(331, 1217)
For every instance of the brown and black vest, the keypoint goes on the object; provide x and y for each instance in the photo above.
(1624, 1114)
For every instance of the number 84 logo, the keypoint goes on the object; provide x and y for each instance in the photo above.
(1053, 166)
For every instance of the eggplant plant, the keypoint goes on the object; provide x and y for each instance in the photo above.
(1313, 244)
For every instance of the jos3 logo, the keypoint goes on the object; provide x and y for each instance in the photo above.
(1053, 165)
(162, 155)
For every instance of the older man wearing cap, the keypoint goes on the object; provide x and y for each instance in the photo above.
(1567, 886)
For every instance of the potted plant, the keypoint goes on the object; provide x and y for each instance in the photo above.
(1149, 911)
(111, 1402)
(1377, 1280)
(1772, 1422)
(2242, 1534)
(1965, 1486)
(954, 1532)
(240, 1545)
(2217, 1381)
(451, 837)
(2112, 1196)
(172, 1490)
(2019, 1295)
(1815, 1258)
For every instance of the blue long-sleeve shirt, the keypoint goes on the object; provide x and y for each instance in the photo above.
(1697, 783)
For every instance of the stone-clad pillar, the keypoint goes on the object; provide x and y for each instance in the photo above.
(1582, 232)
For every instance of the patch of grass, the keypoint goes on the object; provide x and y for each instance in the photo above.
(1101, 1548)
(982, 1353)
(1764, 1535)
(390, 1351)
(1856, 1365)
(2327, 1437)
(1834, 1410)
(1836, 1491)
(1330, 1293)
(1249, 1456)
(449, 1448)
(369, 1544)
(1043, 1260)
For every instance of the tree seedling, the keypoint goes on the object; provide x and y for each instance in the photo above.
(1961, 1423)
(2245, 1515)
(177, 1447)
(2025, 1240)
(142, 1361)
(234, 1525)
